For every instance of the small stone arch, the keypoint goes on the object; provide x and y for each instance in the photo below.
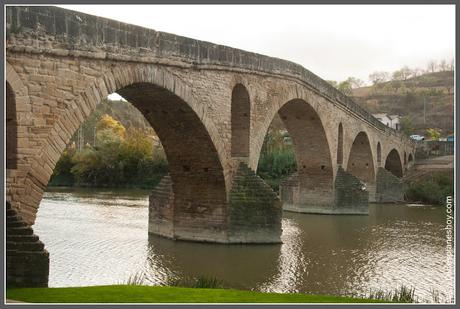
(405, 158)
(340, 145)
(379, 154)
(393, 163)
(410, 159)
(360, 160)
(240, 121)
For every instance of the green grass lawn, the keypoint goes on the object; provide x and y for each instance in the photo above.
(157, 294)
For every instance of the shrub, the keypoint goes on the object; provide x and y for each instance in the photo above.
(431, 191)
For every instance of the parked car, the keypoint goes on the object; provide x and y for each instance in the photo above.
(417, 137)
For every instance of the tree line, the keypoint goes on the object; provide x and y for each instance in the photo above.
(378, 78)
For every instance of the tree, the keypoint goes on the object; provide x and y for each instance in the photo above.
(432, 66)
(108, 123)
(355, 82)
(333, 83)
(378, 77)
(403, 74)
(434, 134)
(396, 85)
(443, 66)
(406, 126)
(345, 87)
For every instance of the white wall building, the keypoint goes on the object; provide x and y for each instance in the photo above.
(392, 121)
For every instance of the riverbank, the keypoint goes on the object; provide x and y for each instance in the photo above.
(162, 294)
(430, 181)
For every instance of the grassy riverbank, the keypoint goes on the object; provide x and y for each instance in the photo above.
(161, 294)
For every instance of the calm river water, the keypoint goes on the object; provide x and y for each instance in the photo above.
(98, 237)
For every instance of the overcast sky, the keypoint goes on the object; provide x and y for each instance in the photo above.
(333, 41)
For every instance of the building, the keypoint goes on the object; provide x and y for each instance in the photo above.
(393, 121)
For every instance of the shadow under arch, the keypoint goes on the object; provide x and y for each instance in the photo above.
(11, 127)
(360, 160)
(311, 186)
(240, 121)
(393, 163)
(410, 159)
(379, 154)
(340, 145)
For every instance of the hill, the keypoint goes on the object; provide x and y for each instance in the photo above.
(408, 98)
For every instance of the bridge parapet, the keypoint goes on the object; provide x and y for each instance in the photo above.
(64, 32)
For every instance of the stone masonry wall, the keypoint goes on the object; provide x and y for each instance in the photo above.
(390, 189)
(161, 209)
(91, 36)
(27, 261)
(350, 194)
(254, 214)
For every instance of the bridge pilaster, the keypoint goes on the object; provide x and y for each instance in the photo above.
(253, 213)
(389, 188)
(349, 196)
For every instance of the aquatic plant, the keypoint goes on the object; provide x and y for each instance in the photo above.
(202, 282)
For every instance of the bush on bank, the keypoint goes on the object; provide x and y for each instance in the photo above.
(431, 190)
(118, 158)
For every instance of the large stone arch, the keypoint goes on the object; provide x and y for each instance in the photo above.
(182, 122)
(312, 185)
(361, 160)
(240, 121)
(393, 163)
(19, 115)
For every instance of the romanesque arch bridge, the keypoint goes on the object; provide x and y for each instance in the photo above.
(210, 105)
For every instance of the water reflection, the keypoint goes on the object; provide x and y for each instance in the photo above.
(100, 237)
(241, 266)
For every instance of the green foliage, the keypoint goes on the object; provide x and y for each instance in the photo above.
(345, 87)
(62, 175)
(201, 282)
(402, 294)
(406, 126)
(434, 134)
(165, 294)
(277, 158)
(432, 190)
(120, 158)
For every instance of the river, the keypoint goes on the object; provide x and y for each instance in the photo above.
(99, 236)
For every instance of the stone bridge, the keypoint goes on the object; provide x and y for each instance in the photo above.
(211, 107)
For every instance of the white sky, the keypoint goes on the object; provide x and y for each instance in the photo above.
(332, 41)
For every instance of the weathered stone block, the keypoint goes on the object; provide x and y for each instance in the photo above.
(26, 259)
(254, 211)
(351, 196)
(390, 189)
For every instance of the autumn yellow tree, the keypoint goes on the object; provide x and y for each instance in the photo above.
(109, 130)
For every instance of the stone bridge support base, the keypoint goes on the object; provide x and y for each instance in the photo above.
(348, 197)
(253, 212)
(389, 188)
(27, 261)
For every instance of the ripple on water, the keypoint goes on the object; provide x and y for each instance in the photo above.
(99, 238)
